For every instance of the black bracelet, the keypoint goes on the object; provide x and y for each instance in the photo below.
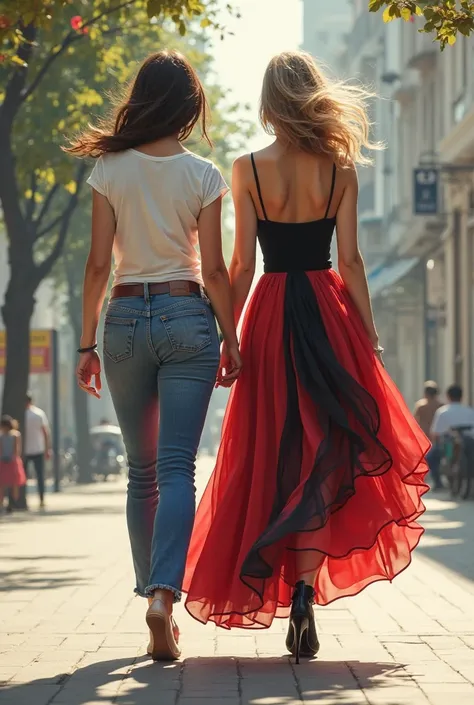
(91, 348)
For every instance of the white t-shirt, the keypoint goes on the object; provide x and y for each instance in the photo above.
(35, 421)
(452, 416)
(157, 202)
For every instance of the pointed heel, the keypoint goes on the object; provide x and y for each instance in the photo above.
(298, 632)
(302, 637)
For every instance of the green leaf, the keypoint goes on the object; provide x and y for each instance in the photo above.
(154, 8)
(466, 27)
(182, 28)
(16, 60)
(387, 15)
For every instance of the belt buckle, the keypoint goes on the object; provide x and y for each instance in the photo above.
(179, 289)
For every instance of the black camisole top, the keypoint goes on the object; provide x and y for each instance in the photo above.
(289, 247)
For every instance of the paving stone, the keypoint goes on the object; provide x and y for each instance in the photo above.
(29, 695)
(78, 637)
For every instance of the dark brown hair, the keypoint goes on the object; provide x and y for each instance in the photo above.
(165, 99)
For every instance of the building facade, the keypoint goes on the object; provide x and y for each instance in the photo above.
(325, 26)
(420, 266)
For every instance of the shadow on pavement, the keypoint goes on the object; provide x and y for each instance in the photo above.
(208, 681)
(449, 535)
(21, 517)
(32, 579)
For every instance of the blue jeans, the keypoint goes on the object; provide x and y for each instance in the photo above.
(161, 356)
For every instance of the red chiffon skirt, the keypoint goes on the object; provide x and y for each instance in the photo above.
(321, 464)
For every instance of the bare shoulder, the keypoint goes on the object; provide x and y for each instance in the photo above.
(242, 162)
(261, 156)
(348, 174)
(242, 170)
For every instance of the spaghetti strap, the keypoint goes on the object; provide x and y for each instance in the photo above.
(257, 182)
(331, 193)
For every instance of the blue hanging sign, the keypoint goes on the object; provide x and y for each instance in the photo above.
(425, 190)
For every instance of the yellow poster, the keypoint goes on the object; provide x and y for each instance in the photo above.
(40, 351)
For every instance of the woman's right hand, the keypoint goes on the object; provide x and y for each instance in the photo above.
(229, 367)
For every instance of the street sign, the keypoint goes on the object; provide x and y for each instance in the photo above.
(425, 190)
(40, 351)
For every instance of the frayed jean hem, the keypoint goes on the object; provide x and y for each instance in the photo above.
(177, 594)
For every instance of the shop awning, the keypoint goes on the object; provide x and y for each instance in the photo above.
(387, 275)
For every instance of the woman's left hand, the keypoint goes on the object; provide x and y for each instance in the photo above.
(230, 366)
(88, 368)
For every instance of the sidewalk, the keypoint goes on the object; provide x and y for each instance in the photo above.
(71, 632)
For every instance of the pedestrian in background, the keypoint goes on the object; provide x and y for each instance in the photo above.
(426, 408)
(12, 472)
(37, 443)
(447, 417)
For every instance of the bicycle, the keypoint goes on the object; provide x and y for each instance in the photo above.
(459, 454)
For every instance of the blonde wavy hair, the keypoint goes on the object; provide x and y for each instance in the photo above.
(303, 107)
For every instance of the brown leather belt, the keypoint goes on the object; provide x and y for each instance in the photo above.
(177, 288)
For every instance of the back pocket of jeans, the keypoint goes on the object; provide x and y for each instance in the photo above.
(187, 330)
(118, 338)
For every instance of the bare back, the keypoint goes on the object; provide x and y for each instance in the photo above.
(295, 185)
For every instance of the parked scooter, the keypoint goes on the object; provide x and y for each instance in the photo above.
(108, 458)
(107, 461)
(69, 467)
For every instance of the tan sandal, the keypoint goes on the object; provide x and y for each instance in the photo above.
(149, 648)
(164, 633)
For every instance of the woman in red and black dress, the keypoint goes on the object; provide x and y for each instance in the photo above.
(319, 477)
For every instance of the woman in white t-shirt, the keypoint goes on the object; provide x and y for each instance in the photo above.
(154, 202)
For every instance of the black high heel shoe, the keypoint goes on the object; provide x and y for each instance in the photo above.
(302, 638)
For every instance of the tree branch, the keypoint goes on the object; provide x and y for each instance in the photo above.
(43, 269)
(107, 13)
(31, 205)
(48, 228)
(67, 41)
(71, 37)
(16, 84)
(46, 205)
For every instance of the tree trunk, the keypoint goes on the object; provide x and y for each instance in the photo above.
(17, 311)
(19, 298)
